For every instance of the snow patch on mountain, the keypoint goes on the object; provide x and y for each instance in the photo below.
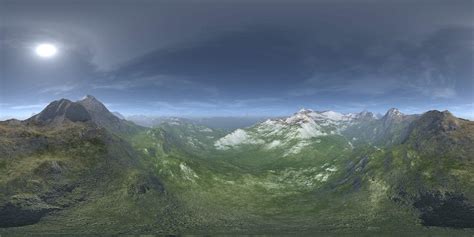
(273, 144)
(322, 177)
(295, 132)
(297, 148)
(271, 127)
(309, 130)
(236, 138)
(206, 130)
(187, 172)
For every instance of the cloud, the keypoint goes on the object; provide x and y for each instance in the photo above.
(278, 57)
(437, 68)
(166, 83)
(28, 107)
(241, 59)
(57, 90)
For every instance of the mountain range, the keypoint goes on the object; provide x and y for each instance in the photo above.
(76, 167)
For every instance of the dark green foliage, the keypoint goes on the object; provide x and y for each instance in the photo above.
(448, 210)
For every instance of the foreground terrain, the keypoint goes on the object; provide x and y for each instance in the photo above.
(76, 167)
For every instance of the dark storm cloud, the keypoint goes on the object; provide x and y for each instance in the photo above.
(240, 61)
(439, 66)
(230, 56)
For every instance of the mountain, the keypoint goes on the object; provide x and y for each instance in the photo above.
(220, 123)
(190, 135)
(75, 167)
(87, 110)
(63, 163)
(302, 128)
(392, 172)
(104, 118)
(118, 115)
(62, 111)
(431, 169)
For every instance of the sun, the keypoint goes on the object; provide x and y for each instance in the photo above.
(46, 50)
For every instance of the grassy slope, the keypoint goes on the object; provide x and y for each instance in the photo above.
(80, 178)
(254, 191)
(257, 189)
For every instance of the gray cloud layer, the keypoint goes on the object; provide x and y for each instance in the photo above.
(242, 57)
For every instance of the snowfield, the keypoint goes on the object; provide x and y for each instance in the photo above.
(297, 130)
(236, 138)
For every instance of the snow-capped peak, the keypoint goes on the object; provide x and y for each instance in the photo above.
(301, 116)
(304, 111)
(333, 115)
(361, 115)
(393, 112)
(305, 114)
(297, 130)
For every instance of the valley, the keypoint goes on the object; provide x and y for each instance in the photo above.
(76, 167)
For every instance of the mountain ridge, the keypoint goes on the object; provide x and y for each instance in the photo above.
(73, 164)
(87, 110)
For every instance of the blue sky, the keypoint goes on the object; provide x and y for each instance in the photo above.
(239, 58)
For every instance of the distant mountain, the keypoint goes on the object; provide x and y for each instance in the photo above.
(118, 115)
(225, 123)
(299, 129)
(190, 135)
(152, 121)
(229, 123)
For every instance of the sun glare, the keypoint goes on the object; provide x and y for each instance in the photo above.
(46, 50)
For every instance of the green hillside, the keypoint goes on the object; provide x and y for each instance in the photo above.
(326, 173)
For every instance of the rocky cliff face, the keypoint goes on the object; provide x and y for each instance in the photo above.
(61, 111)
(88, 110)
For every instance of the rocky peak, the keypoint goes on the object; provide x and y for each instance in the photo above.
(329, 114)
(304, 111)
(366, 113)
(300, 117)
(93, 105)
(392, 116)
(393, 112)
(60, 111)
(87, 109)
(443, 121)
(89, 97)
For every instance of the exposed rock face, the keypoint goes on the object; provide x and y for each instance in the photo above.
(99, 113)
(104, 118)
(392, 116)
(62, 110)
(23, 210)
(438, 121)
(442, 129)
(88, 109)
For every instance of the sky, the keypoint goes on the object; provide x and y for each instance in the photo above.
(239, 58)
